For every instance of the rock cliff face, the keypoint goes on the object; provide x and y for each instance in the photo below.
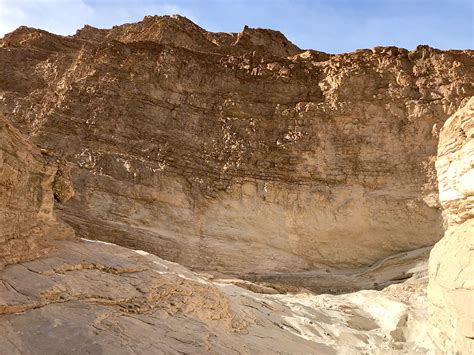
(235, 154)
(27, 180)
(451, 286)
(238, 153)
(92, 297)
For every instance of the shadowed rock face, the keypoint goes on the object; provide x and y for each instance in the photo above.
(206, 149)
(26, 198)
(451, 286)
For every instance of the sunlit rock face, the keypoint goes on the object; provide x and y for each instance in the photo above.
(451, 286)
(93, 297)
(235, 154)
(238, 153)
(82, 296)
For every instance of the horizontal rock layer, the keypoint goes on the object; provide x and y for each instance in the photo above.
(213, 152)
(93, 297)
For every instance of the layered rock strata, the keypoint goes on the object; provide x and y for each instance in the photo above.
(451, 286)
(27, 181)
(238, 153)
(92, 297)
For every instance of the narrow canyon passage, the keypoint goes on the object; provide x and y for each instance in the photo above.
(232, 193)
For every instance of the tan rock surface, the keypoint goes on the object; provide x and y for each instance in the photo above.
(234, 154)
(451, 286)
(238, 153)
(83, 296)
(26, 203)
(91, 297)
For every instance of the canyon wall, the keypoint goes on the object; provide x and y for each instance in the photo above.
(451, 286)
(85, 296)
(27, 184)
(238, 153)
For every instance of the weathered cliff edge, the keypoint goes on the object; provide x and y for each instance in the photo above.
(92, 297)
(238, 153)
(451, 270)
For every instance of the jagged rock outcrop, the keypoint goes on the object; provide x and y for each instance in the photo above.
(207, 150)
(178, 31)
(26, 198)
(451, 286)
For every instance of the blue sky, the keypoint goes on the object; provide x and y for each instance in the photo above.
(328, 25)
